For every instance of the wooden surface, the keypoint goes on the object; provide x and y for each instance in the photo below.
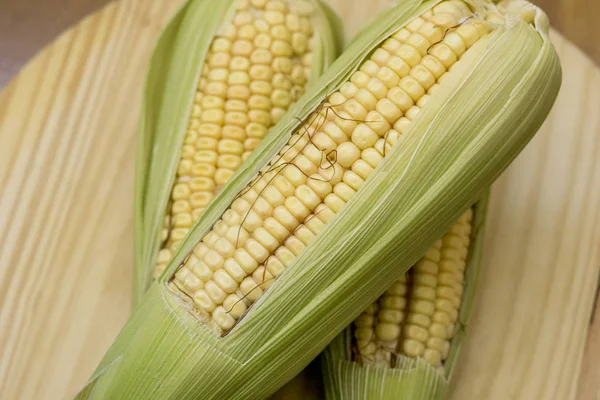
(27, 25)
(67, 142)
(577, 20)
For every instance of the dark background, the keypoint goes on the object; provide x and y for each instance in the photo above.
(27, 25)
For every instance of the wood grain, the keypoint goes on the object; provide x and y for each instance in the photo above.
(27, 25)
(67, 143)
(577, 20)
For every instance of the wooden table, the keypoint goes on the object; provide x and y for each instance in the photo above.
(27, 25)
(67, 142)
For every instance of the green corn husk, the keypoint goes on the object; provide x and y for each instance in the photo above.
(171, 83)
(458, 145)
(345, 379)
(409, 378)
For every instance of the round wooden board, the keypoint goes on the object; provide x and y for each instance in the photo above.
(67, 145)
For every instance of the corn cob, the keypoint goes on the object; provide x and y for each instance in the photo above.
(258, 64)
(414, 355)
(413, 324)
(417, 316)
(347, 191)
(323, 165)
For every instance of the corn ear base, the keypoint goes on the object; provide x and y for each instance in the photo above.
(171, 81)
(415, 380)
(462, 140)
(409, 378)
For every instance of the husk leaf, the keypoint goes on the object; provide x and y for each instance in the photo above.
(462, 140)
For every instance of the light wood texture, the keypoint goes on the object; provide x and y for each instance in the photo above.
(577, 20)
(67, 144)
(25, 26)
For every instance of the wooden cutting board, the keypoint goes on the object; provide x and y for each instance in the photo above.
(67, 145)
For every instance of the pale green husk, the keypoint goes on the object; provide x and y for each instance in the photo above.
(409, 378)
(462, 140)
(171, 83)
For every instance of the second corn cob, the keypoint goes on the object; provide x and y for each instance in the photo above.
(434, 300)
(255, 69)
(417, 316)
(258, 63)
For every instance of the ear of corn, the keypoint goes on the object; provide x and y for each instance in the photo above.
(184, 340)
(223, 73)
(352, 369)
(406, 344)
